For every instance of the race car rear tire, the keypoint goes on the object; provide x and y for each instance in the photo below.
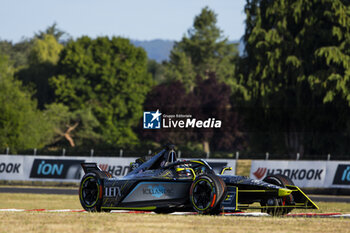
(280, 180)
(206, 194)
(91, 192)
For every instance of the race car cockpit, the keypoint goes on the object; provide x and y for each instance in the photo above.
(165, 164)
(162, 159)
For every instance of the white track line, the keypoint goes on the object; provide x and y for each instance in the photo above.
(11, 210)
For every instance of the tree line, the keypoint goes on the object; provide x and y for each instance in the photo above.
(288, 93)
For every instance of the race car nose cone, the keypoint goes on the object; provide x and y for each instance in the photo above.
(284, 192)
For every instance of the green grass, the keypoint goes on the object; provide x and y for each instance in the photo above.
(111, 222)
(51, 201)
(39, 201)
(43, 222)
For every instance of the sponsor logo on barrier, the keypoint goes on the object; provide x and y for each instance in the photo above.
(294, 174)
(9, 167)
(115, 170)
(112, 192)
(157, 190)
(56, 168)
(342, 175)
(260, 173)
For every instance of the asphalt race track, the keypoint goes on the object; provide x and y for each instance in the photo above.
(67, 191)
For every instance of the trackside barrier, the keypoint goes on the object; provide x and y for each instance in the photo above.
(305, 174)
(68, 169)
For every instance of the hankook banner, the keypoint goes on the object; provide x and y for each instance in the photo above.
(11, 167)
(313, 174)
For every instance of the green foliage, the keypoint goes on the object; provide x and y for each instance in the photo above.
(203, 51)
(77, 126)
(108, 76)
(180, 68)
(52, 30)
(22, 126)
(45, 50)
(156, 70)
(43, 58)
(297, 59)
(17, 53)
(292, 41)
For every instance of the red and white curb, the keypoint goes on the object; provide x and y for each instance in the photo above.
(251, 214)
(40, 210)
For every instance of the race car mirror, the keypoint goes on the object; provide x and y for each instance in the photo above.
(224, 169)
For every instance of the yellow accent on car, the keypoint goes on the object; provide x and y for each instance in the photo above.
(196, 161)
(284, 192)
(224, 169)
(256, 191)
(297, 189)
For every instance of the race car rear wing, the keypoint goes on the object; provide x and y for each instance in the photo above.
(90, 167)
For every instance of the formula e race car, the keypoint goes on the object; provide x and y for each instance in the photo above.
(164, 184)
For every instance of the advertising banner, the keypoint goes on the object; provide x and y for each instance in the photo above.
(68, 169)
(303, 173)
(338, 174)
(313, 174)
(54, 168)
(11, 167)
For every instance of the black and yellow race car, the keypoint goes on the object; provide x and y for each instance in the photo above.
(164, 184)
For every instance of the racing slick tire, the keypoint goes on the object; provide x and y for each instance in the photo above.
(206, 194)
(280, 180)
(91, 191)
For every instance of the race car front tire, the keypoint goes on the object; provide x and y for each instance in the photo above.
(280, 180)
(206, 194)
